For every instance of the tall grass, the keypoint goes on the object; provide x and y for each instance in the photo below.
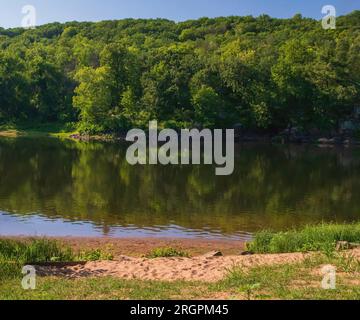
(311, 238)
(33, 251)
(15, 254)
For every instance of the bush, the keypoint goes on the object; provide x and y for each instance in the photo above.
(90, 129)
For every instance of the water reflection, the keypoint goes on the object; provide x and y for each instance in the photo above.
(92, 185)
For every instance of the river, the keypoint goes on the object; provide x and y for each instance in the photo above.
(66, 188)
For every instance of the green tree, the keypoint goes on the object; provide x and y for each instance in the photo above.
(93, 98)
(14, 97)
(208, 107)
(294, 88)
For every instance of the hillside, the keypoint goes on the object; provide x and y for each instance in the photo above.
(263, 73)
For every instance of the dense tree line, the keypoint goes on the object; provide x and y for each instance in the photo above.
(263, 73)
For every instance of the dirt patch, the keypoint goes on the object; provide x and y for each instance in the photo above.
(169, 269)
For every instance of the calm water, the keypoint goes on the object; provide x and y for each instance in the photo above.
(49, 187)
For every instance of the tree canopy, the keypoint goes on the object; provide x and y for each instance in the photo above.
(263, 73)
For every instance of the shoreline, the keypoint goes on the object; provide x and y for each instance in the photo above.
(200, 272)
(208, 261)
(325, 140)
(137, 247)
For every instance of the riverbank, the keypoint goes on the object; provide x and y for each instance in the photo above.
(235, 277)
(186, 269)
(69, 132)
(300, 280)
(138, 247)
(55, 130)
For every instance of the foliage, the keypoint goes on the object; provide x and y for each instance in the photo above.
(263, 73)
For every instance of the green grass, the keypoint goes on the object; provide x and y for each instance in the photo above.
(289, 281)
(295, 281)
(14, 254)
(94, 255)
(311, 238)
(102, 289)
(33, 251)
(35, 130)
(167, 253)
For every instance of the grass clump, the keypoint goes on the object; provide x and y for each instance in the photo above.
(167, 253)
(311, 238)
(14, 254)
(33, 251)
(95, 255)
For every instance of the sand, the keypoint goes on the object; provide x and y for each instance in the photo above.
(201, 268)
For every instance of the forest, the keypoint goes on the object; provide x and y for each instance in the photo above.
(262, 74)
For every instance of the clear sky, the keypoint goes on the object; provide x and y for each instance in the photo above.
(178, 10)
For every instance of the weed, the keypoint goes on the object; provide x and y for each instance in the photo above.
(166, 253)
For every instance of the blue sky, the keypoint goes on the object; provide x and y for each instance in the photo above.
(178, 10)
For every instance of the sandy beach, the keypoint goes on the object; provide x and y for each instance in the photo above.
(199, 268)
(129, 261)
